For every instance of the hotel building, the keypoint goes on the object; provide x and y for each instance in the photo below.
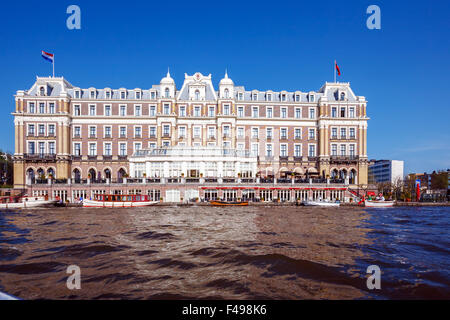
(73, 135)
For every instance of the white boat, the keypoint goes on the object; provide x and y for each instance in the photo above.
(378, 204)
(320, 204)
(118, 201)
(25, 202)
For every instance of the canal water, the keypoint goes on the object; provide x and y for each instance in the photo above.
(226, 253)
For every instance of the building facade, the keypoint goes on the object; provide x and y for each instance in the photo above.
(386, 171)
(65, 132)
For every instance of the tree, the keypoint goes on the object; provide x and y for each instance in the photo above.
(439, 181)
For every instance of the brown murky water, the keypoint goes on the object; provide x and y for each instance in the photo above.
(193, 252)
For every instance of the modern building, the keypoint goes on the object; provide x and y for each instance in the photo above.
(71, 134)
(386, 171)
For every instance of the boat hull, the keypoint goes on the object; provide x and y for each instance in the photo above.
(320, 204)
(27, 204)
(224, 203)
(379, 204)
(117, 204)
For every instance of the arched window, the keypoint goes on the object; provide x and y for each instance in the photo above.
(226, 94)
(92, 174)
(76, 175)
(42, 91)
(167, 93)
(51, 172)
(197, 95)
(107, 174)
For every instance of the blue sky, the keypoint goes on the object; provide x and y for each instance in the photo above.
(403, 69)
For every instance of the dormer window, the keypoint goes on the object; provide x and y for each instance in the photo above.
(108, 95)
(42, 91)
(255, 96)
(138, 95)
(297, 98)
(311, 98)
(283, 97)
(77, 94)
(167, 93)
(152, 95)
(269, 97)
(92, 94)
(342, 96)
(122, 95)
(241, 96)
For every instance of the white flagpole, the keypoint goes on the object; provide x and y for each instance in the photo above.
(334, 67)
(53, 63)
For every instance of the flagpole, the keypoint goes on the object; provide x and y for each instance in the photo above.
(334, 67)
(53, 63)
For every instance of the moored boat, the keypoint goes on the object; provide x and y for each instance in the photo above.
(228, 203)
(25, 202)
(378, 204)
(118, 201)
(320, 204)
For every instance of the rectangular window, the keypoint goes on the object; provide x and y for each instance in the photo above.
(122, 95)
(31, 129)
(240, 132)
(255, 133)
(268, 150)
(137, 146)
(152, 132)
(226, 109)
(108, 132)
(123, 149)
(41, 107)
(41, 147)
(137, 111)
(92, 149)
(197, 132)
(334, 112)
(166, 130)
(51, 129)
(196, 111)
(211, 132)
(351, 112)
(41, 129)
(269, 97)
(182, 111)
(107, 111)
(333, 133)
(312, 150)
(352, 132)
(343, 149)
(268, 133)
(77, 132)
(255, 149)
(352, 150)
(283, 150)
(283, 133)
(31, 148)
(123, 111)
(298, 133)
(342, 112)
(334, 149)
(298, 151)
(241, 96)
(298, 113)
(343, 133)
(182, 132)
(255, 112)
(152, 95)
(311, 134)
(137, 132)
(269, 113)
(77, 94)
(92, 94)
(51, 108)
(211, 111)
(77, 149)
(92, 110)
(241, 112)
(76, 110)
(166, 109)
(226, 131)
(123, 132)
(92, 132)
(108, 94)
(31, 107)
(283, 113)
(138, 95)
(108, 151)
(312, 113)
(152, 111)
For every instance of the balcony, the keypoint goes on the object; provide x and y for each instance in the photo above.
(92, 157)
(122, 157)
(310, 158)
(344, 159)
(107, 136)
(166, 135)
(107, 157)
(284, 158)
(40, 157)
(76, 157)
(92, 136)
(123, 136)
(77, 136)
(152, 136)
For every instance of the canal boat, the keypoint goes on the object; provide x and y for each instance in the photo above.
(378, 204)
(228, 203)
(309, 203)
(118, 201)
(25, 202)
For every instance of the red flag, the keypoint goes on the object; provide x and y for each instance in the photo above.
(337, 68)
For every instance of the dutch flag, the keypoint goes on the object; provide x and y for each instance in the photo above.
(47, 56)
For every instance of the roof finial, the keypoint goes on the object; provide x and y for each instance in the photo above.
(226, 73)
(168, 72)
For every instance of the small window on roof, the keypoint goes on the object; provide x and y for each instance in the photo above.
(42, 91)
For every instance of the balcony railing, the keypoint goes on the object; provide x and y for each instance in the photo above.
(76, 157)
(107, 157)
(92, 157)
(40, 156)
(344, 158)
